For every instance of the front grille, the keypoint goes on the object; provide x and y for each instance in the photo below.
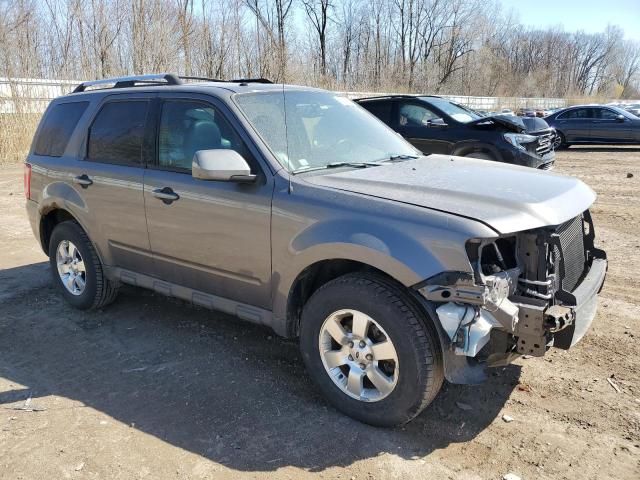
(571, 242)
(545, 144)
(546, 166)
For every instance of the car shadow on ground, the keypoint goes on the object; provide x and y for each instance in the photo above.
(205, 382)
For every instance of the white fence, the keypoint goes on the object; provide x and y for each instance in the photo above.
(32, 95)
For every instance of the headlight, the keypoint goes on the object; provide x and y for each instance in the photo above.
(519, 139)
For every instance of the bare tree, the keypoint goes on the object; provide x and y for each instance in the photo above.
(318, 14)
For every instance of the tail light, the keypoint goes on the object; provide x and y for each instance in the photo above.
(27, 181)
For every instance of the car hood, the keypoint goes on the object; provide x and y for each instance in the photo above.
(511, 122)
(507, 198)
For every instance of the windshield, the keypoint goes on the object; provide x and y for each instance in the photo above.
(457, 112)
(321, 129)
(622, 111)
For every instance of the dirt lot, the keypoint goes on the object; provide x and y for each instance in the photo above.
(153, 388)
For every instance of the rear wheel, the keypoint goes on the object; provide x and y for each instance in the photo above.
(372, 353)
(76, 268)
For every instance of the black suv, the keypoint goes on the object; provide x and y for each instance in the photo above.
(436, 125)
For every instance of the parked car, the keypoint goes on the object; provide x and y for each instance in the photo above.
(436, 125)
(526, 112)
(633, 108)
(593, 124)
(294, 208)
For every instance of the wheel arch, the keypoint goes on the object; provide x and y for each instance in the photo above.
(53, 216)
(463, 149)
(309, 280)
(48, 221)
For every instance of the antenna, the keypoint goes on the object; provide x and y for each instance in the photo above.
(286, 129)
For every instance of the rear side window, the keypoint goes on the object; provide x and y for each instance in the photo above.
(57, 128)
(117, 133)
(578, 114)
(382, 110)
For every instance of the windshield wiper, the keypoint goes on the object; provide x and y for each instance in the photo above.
(338, 165)
(399, 156)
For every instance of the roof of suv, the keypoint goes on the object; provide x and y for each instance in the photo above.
(165, 81)
(398, 95)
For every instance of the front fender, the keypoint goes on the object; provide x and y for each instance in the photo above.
(382, 247)
(407, 255)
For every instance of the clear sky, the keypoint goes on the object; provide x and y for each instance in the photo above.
(588, 15)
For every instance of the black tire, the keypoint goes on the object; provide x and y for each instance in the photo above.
(412, 333)
(563, 141)
(98, 291)
(480, 155)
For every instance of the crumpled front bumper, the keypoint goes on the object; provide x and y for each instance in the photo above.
(586, 295)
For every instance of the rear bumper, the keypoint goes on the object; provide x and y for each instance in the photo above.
(34, 219)
(586, 295)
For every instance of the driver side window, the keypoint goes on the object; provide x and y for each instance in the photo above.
(606, 114)
(189, 126)
(412, 115)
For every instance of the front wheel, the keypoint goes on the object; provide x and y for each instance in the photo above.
(371, 351)
(480, 155)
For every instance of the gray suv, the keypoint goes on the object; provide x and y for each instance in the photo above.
(295, 208)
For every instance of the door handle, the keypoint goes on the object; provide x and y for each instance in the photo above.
(83, 180)
(166, 194)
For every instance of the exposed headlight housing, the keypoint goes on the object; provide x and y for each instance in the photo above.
(519, 140)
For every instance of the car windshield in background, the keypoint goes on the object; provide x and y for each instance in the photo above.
(624, 113)
(320, 130)
(456, 112)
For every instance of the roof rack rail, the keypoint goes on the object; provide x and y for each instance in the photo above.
(131, 81)
(204, 79)
(156, 79)
(250, 80)
(235, 80)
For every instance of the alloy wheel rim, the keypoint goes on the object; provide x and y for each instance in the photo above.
(71, 268)
(358, 355)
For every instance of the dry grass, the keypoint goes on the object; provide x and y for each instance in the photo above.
(16, 133)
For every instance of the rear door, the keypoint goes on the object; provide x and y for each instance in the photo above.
(607, 127)
(576, 124)
(215, 236)
(109, 180)
(381, 109)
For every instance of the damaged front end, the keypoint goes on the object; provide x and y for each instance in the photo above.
(528, 291)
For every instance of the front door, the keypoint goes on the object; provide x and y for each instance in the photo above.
(214, 236)
(413, 123)
(608, 128)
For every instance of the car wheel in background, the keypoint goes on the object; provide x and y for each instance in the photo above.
(76, 268)
(563, 141)
(480, 155)
(372, 352)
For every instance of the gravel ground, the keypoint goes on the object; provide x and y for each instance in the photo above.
(153, 388)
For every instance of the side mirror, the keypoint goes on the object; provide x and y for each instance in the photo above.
(221, 164)
(620, 118)
(437, 123)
